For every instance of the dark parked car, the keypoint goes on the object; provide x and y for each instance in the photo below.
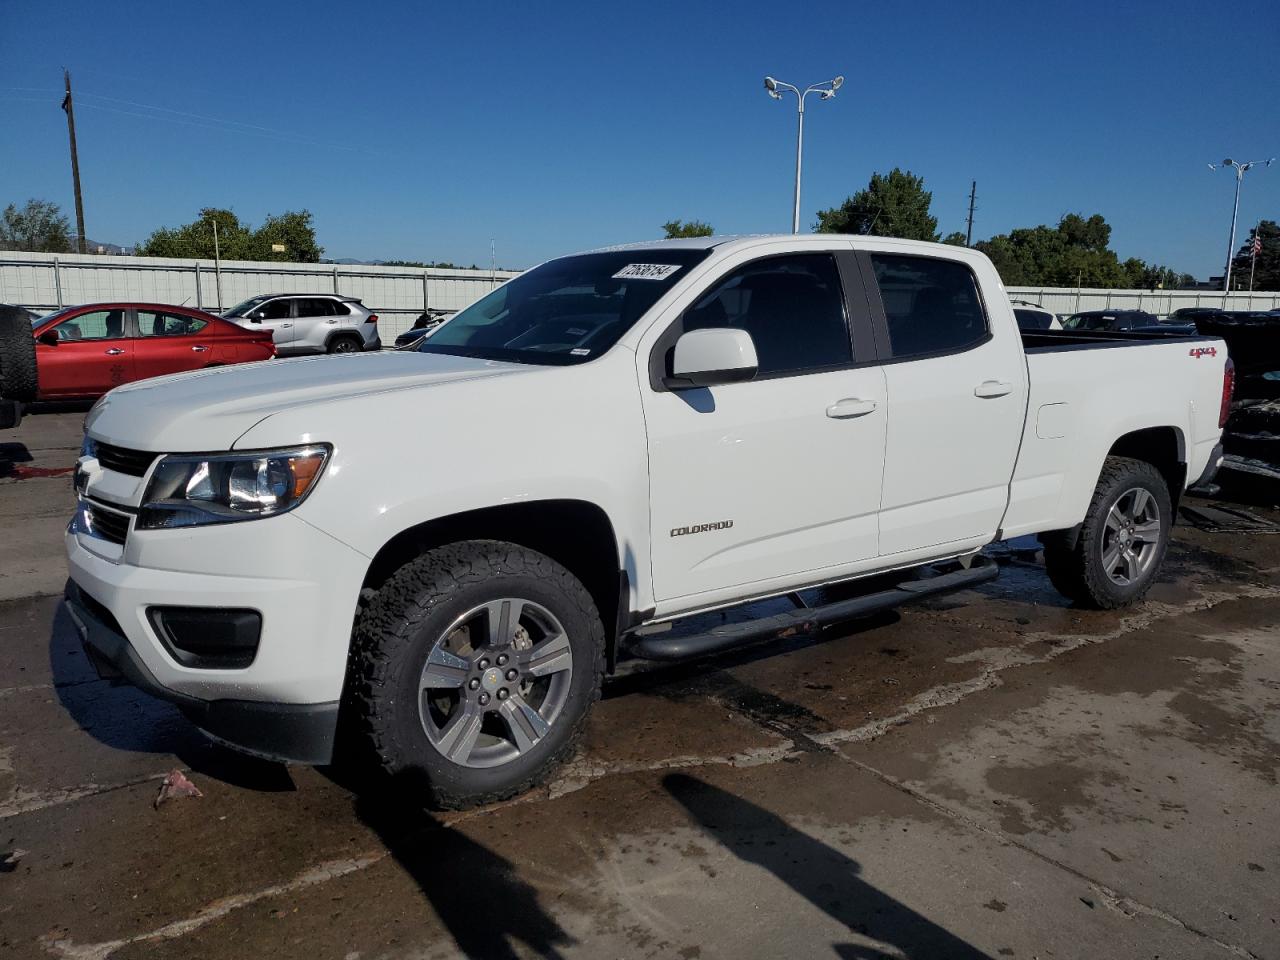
(1110, 320)
(427, 321)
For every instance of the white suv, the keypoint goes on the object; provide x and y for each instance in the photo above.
(311, 322)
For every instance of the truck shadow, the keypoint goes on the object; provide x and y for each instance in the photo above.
(828, 879)
(476, 893)
(127, 719)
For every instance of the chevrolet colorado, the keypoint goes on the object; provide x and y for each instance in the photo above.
(607, 443)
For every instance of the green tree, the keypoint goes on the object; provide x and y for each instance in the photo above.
(1074, 252)
(37, 226)
(292, 230)
(893, 205)
(1267, 273)
(237, 240)
(692, 228)
(955, 239)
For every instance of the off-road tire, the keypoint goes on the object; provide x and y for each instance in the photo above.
(396, 630)
(18, 376)
(1077, 572)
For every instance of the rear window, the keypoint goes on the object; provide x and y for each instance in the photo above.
(1032, 319)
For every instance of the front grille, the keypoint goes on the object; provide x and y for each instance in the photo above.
(106, 523)
(121, 460)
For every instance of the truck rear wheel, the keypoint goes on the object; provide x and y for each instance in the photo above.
(473, 670)
(1122, 542)
(18, 379)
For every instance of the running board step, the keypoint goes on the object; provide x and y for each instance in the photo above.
(807, 619)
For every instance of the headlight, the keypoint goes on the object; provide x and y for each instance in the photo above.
(191, 489)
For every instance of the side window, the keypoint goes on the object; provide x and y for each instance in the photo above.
(319, 307)
(95, 325)
(338, 308)
(154, 323)
(276, 310)
(932, 306)
(792, 306)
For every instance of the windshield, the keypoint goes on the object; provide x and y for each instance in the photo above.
(566, 311)
(240, 309)
(37, 321)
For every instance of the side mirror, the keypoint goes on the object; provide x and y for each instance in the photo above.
(255, 317)
(704, 358)
(49, 338)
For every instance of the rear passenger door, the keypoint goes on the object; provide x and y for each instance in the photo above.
(773, 481)
(170, 342)
(957, 401)
(316, 318)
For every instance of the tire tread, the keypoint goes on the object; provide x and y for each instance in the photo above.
(387, 625)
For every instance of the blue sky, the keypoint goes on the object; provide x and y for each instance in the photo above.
(421, 130)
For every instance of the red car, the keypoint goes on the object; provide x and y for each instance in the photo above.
(85, 351)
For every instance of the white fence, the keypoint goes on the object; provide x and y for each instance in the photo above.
(1159, 302)
(44, 282)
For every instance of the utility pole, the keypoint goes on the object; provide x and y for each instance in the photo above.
(973, 195)
(217, 265)
(75, 160)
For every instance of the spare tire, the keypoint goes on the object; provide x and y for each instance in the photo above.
(18, 378)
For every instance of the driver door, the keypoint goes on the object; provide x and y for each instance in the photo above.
(277, 316)
(774, 482)
(92, 354)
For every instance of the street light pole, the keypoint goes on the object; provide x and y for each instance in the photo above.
(1240, 170)
(826, 91)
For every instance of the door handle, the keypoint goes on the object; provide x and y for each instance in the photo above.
(114, 351)
(331, 321)
(988, 389)
(286, 325)
(199, 348)
(850, 407)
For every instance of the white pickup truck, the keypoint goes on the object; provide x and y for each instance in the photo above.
(447, 548)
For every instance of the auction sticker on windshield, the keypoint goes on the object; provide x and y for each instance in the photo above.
(646, 271)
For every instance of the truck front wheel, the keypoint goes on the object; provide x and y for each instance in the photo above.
(473, 670)
(1122, 542)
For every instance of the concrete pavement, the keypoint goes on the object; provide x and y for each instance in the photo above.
(994, 774)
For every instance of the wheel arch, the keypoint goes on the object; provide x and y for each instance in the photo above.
(577, 534)
(1165, 448)
(341, 334)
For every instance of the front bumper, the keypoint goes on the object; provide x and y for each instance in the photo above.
(277, 731)
(303, 584)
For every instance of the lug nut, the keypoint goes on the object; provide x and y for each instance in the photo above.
(484, 699)
(484, 663)
(512, 674)
(475, 683)
(502, 659)
(503, 694)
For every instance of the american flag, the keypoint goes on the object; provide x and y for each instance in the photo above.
(1257, 245)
